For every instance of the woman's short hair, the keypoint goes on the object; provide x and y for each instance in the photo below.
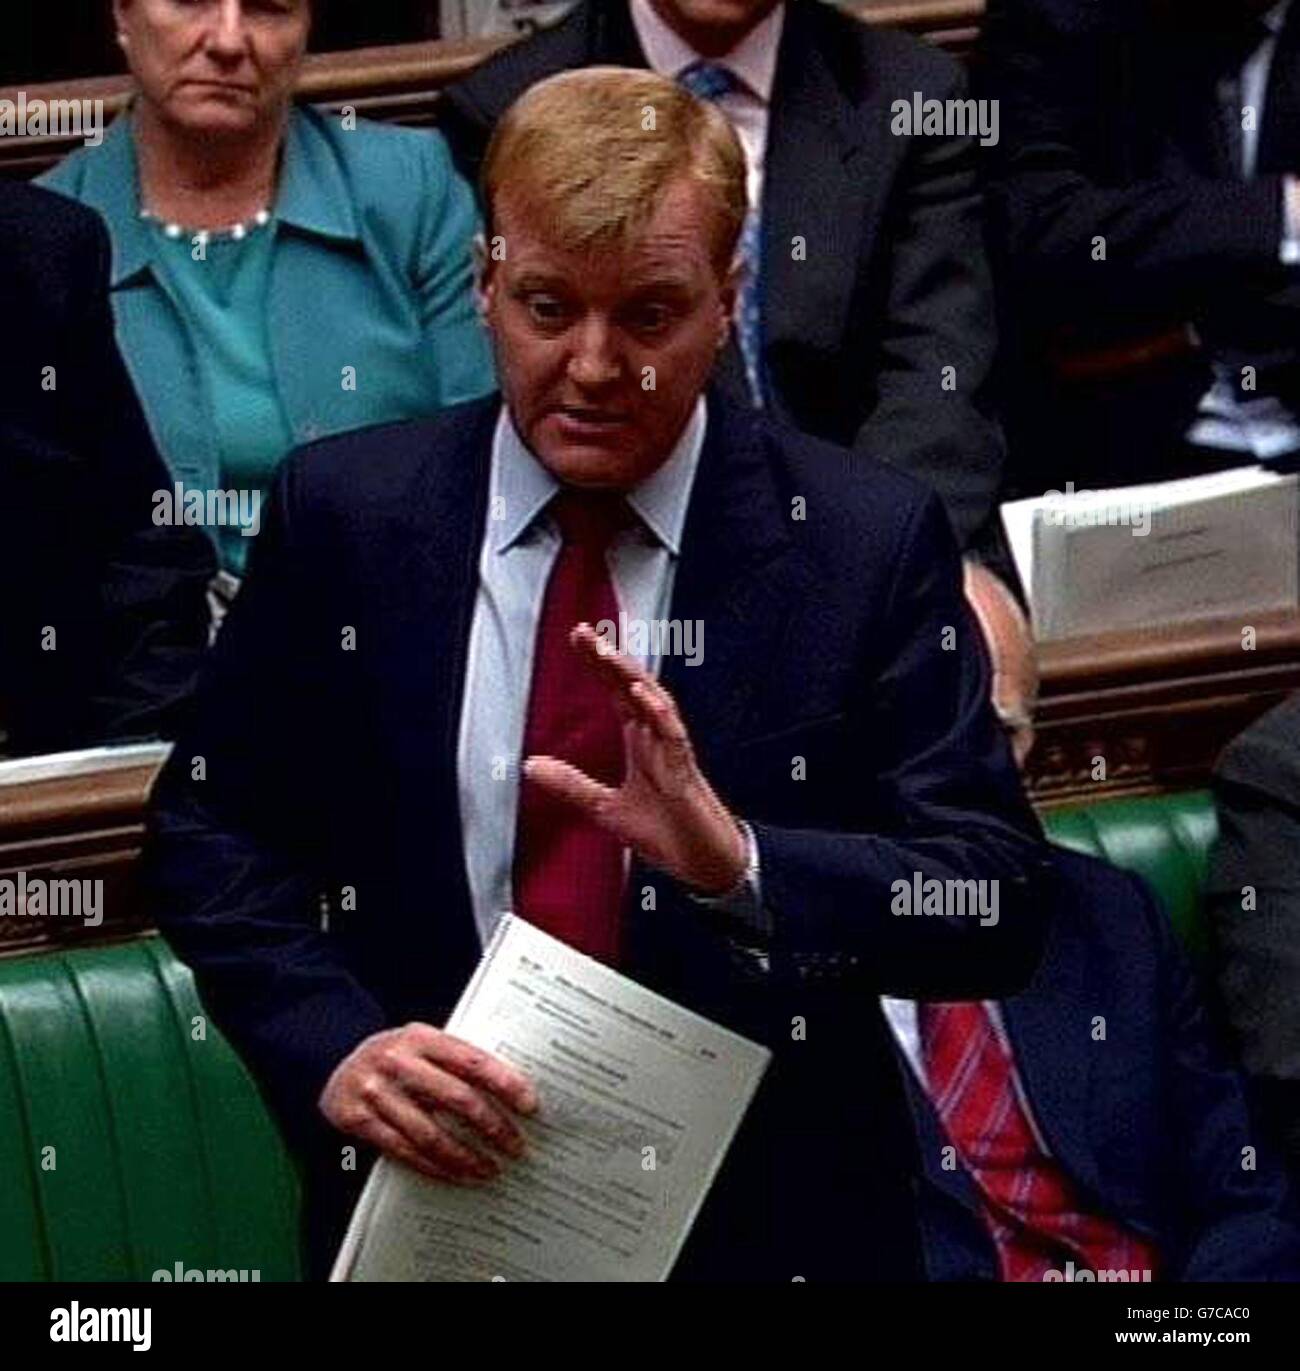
(593, 151)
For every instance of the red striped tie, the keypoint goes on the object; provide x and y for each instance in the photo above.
(569, 872)
(1031, 1206)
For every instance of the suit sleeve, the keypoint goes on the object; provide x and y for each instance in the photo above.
(467, 127)
(151, 619)
(1169, 243)
(1233, 1194)
(938, 313)
(234, 864)
(1257, 948)
(956, 805)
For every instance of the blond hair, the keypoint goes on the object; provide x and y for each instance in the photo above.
(592, 152)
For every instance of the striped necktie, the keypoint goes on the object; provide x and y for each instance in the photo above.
(1035, 1215)
(711, 81)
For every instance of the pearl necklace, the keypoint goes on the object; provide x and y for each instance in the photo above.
(237, 232)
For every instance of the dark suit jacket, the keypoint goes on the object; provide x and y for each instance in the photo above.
(827, 641)
(1149, 1122)
(78, 470)
(1110, 129)
(1257, 784)
(895, 283)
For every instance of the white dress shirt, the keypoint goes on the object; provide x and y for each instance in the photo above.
(752, 61)
(520, 546)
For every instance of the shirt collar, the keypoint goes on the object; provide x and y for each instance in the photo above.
(521, 487)
(1275, 19)
(752, 60)
(312, 195)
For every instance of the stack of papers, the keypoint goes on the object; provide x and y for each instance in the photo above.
(639, 1100)
(1136, 556)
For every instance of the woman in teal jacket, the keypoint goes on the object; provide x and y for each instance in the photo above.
(277, 275)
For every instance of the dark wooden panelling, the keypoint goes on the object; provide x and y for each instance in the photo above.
(87, 827)
(1156, 706)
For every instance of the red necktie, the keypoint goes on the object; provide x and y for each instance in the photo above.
(1030, 1205)
(569, 872)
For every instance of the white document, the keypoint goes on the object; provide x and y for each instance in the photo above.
(639, 1100)
(1167, 552)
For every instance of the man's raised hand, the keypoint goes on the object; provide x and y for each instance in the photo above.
(665, 809)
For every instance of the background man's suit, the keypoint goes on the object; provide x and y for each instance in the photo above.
(78, 471)
(1149, 1121)
(895, 285)
(1112, 129)
(1257, 789)
(825, 641)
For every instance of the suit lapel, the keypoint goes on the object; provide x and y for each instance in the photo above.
(1279, 140)
(1050, 1038)
(734, 578)
(612, 37)
(731, 579)
(425, 608)
(1194, 97)
(813, 183)
(932, 1143)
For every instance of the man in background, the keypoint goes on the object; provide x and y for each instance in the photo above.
(1255, 906)
(1147, 233)
(866, 314)
(1091, 1123)
(103, 613)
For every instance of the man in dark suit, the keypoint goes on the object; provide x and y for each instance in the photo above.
(868, 278)
(1255, 904)
(817, 733)
(103, 615)
(1147, 234)
(1090, 1127)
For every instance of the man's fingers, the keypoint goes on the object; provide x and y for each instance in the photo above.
(393, 1143)
(478, 1067)
(658, 708)
(618, 668)
(639, 694)
(566, 782)
(430, 1084)
(429, 1138)
(654, 759)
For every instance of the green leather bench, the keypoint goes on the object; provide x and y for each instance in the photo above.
(1165, 839)
(161, 1149)
(132, 1139)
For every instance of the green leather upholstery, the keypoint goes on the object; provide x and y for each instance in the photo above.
(1166, 839)
(161, 1149)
